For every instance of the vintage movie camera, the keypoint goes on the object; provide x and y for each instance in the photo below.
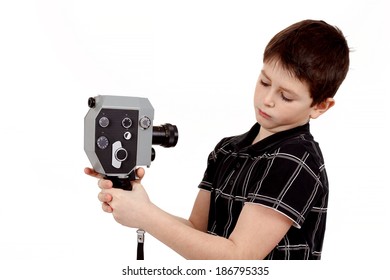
(119, 134)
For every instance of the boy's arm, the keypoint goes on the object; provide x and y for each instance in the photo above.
(200, 212)
(257, 231)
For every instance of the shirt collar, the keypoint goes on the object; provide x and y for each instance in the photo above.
(244, 141)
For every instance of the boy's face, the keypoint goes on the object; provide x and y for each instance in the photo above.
(283, 102)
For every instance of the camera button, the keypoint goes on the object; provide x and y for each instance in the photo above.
(127, 135)
(104, 122)
(126, 122)
(145, 122)
(121, 154)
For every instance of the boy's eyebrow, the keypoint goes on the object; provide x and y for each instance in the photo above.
(282, 88)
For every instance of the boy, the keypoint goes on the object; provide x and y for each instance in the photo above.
(264, 194)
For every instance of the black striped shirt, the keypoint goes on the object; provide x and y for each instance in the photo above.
(284, 171)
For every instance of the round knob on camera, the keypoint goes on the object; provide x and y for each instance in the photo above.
(126, 122)
(121, 154)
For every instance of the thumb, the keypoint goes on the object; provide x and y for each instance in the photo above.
(140, 172)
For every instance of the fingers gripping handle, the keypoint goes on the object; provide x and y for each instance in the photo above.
(122, 183)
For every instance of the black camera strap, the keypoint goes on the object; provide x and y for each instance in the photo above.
(140, 245)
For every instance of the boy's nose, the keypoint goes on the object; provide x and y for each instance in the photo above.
(269, 99)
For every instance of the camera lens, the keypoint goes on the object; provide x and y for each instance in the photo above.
(165, 135)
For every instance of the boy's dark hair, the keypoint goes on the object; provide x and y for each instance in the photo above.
(314, 52)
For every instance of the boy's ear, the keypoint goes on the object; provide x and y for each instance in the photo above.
(322, 107)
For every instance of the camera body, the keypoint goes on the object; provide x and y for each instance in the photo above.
(119, 134)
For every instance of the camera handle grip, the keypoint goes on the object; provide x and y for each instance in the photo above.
(122, 183)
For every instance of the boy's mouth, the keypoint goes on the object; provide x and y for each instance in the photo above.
(264, 114)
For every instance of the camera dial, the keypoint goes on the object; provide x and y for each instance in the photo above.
(102, 142)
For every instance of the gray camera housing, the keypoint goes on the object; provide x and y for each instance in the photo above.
(118, 133)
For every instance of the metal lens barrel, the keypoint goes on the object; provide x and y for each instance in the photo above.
(165, 135)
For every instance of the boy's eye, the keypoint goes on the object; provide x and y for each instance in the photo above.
(264, 83)
(285, 98)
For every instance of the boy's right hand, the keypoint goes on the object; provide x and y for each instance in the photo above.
(105, 198)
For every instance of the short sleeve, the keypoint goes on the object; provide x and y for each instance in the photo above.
(209, 174)
(206, 183)
(290, 184)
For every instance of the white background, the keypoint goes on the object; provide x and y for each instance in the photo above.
(197, 62)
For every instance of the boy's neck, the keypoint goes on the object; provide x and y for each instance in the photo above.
(263, 133)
